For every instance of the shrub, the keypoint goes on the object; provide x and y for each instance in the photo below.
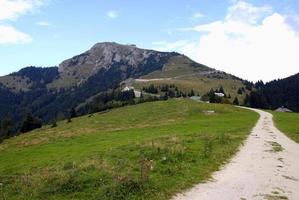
(30, 123)
(54, 124)
(145, 169)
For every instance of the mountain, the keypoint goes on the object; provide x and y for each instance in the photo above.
(48, 92)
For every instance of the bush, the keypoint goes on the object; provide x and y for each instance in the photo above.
(236, 101)
(30, 123)
(145, 169)
(54, 124)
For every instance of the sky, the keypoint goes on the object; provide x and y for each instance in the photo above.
(252, 39)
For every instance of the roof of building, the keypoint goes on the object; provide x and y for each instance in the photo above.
(283, 109)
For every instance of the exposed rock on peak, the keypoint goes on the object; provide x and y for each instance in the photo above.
(104, 56)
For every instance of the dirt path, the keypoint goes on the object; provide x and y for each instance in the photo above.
(266, 167)
(177, 77)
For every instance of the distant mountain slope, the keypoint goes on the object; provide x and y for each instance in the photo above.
(45, 92)
(29, 78)
(188, 75)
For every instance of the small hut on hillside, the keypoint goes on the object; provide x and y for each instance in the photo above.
(283, 109)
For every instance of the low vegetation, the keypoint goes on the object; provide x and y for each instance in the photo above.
(276, 147)
(288, 123)
(150, 150)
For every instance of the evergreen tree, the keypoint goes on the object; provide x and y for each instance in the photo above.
(30, 123)
(151, 89)
(212, 96)
(259, 84)
(73, 113)
(54, 124)
(60, 116)
(258, 100)
(170, 94)
(236, 101)
(6, 126)
(247, 100)
(240, 91)
(69, 120)
(192, 93)
(221, 90)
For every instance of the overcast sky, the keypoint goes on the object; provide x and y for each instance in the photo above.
(253, 39)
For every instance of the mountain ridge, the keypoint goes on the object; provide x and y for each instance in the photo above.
(48, 92)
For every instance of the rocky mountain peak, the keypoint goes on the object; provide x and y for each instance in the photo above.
(104, 56)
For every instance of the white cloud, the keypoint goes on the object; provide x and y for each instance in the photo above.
(255, 45)
(112, 14)
(246, 12)
(11, 10)
(9, 35)
(43, 23)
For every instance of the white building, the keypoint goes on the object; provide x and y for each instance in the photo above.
(127, 88)
(219, 94)
(137, 93)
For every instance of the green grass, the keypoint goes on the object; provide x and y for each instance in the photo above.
(188, 78)
(288, 123)
(276, 147)
(200, 85)
(147, 151)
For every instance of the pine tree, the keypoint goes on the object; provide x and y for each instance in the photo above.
(212, 96)
(54, 124)
(240, 91)
(73, 113)
(192, 93)
(236, 101)
(30, 123)
(221, 90)
(246, 100)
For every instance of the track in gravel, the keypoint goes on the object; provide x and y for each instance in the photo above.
(266, 167)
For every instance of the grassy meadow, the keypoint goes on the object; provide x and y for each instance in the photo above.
(181, 73)
(147, 151)
(288, 123)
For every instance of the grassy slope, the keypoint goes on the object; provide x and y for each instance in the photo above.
(288, 123)
(200, 85)
(188, 78)
(99, 157)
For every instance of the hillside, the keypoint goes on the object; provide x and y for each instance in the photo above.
(283, 92)
(51, 92)
(175, 143)
(275, 94)
(188, 75)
